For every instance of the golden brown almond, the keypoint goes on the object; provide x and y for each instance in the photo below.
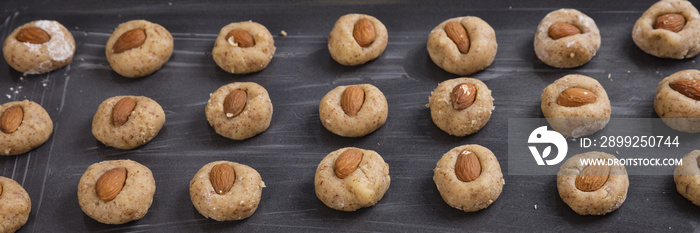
(111, 183)
(363, 32)
(235, 102)
(133, 38)
(463, 96)
(33, 35)
(352, 99)
(467, 166)
(11, 119)
(222, 176)
(347, 162)
(560, 30)
(456, 32)
(122, 110)
(240, 38)
(687, 87)
(592, 178)
(672, 22)
(0, 189)
(698, 160)
(574, 97)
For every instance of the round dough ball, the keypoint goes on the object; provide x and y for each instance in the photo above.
(35, 129)
(15, 205)
(364, 187)
(238, 203)
(131, 203)
(369, 118)
(687, 177)
(576, 121)
(678, 111)
(460, 122)
(604, 200)
(571, 51)
(474, 195)
(238, 60)
(142, 126)
(144, 59)
(30, 58)
(482, 48)
(253, 120)
(344, 48)
(664, 43)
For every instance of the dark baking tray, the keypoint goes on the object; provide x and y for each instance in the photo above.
(301, 72)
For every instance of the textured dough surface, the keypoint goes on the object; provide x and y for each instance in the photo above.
(145, 59)
(344, 48)
(362, 188)
(237, 60)
(664, 43)
(35, 129)
(371, 116)
(143, 125)
(576, 121)
(687, 177)
(131, 203)
(255, 118)
(460, 122)
(31, 58)
(571, 51)
(675, 109)
(238, 203)
(482, 49)
(15, 205)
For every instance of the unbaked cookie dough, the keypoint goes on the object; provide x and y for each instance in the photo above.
(687, 177)
(576, 49)
(357, 39)
(31, 127)
(576, 105)
(469, 177)
(249, 110)
(129, 203)
(370, 110)
(39, 47)
(236, 195)
(243, 47)
(481, 46)
(365, 179)
(461, 106)
(592, 190)
(676, 102)
(664, 43)
(131, 124)
(145, 49)
(15, 205)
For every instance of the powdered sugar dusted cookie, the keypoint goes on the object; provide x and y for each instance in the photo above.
(39, 47)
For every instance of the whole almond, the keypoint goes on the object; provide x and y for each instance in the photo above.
(33, 35)
(592, 178)
(352, 99)
(0, 189)
(222, 176)
(363, 32)
(11, 119)
(347, 162)
(698, 161)
(687, 87)
(672, 22)
(560, 30)
(467, 166)
(240, 38)
(122, 110)
(575, 97)
(111, 183)
(463, 96)
(129, 40)
(456, 32)
(235, 102)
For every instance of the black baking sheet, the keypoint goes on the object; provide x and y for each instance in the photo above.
(301, 72)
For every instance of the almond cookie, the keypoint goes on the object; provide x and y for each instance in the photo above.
(576, 105)
(15, 205)
(357, 39)
(127, 122)
(243, 47)
(138, 48)
(669, 29)
(677, 101)
(226, 191)
(687, 177)
(566, 38)
(461, 106)
(593, 189)
(116, 191)
(351, 178)
(24, 125)
(469, 178)
(462, 45)
(39, 47)
(353, 111)
(239, 110)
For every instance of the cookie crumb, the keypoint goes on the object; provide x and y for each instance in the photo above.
(510, 8)
(283, 33)
(535, 206)
(170, 3)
